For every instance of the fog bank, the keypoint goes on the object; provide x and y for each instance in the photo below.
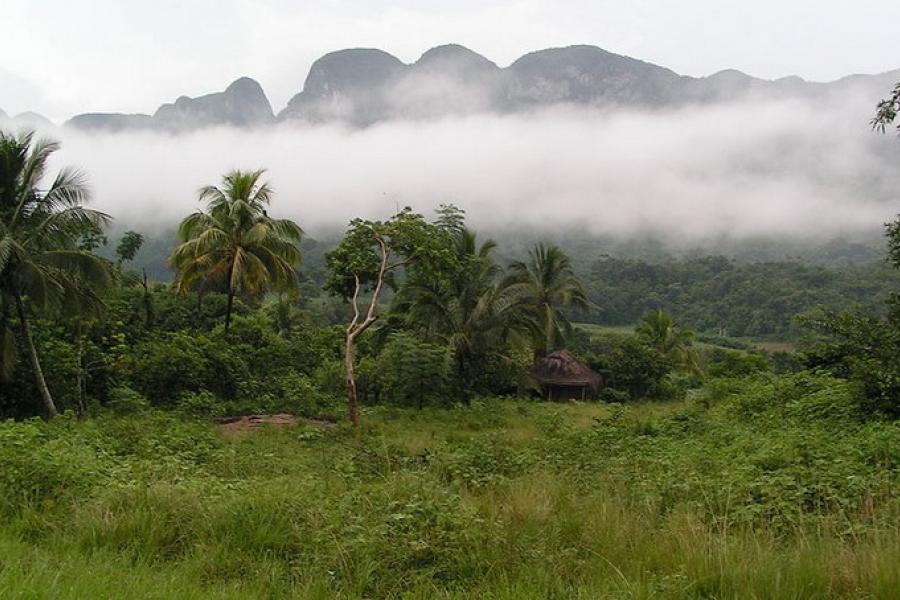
(790, 168)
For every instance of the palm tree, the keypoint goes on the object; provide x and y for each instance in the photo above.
(235, 245)
(548, 284)
(42, 267)
(661, 331)
(471, 313)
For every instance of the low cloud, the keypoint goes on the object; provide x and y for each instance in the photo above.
(786, 168)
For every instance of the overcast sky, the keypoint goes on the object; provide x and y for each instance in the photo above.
(61, 57)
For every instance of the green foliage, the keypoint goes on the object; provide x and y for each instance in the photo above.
(19, 393)
(662, 333)
(201, 404)
(726, 363)
(892, 232)
(716, 296)
(633, 368)
(167, 366)
(235, 246)
(548, 286)
(44, 269)
(865, 350)
(123, 400)
(413, 372)
(470, 312)
(405, 240)
(128, 246)
(887, 110)
(763, 478)
(40, 466)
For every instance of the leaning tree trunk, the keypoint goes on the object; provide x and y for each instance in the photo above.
(49, 406)
(352, 401)
(356, 327)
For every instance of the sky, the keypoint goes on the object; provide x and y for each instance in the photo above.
(60, 58)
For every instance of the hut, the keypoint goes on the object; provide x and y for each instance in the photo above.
(564, 377)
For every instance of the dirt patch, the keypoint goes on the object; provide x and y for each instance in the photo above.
(243, 424)
(237, 425)
(775, 346)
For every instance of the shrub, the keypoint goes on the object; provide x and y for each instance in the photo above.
(413, 372)
(299, 396)
(727, 363)
(19, 396)
(201, 404)
(863, 349)
(634, 368)
(172, 364)
(44, 464)
(123, 400)
(613, 396)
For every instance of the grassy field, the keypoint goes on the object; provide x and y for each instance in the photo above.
(593, 330)
(756, 488)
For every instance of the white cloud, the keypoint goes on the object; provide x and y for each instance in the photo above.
(786, 168)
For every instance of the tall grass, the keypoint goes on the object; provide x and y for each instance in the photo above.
(766, 488)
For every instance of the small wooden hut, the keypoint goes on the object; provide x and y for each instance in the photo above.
(564, 377)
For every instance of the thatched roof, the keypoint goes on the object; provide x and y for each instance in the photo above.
(562, 368)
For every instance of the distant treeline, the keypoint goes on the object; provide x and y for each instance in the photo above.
(713, 294)
(716, 295)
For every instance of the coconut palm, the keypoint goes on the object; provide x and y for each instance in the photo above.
(42, 267)
(548, 285)
(661, 331)
(234, 245)
(470, 312)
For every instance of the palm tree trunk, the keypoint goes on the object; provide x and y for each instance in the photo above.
(230, 297)
(80, 377)
(49, 406)
(228, 310)
(148, 302)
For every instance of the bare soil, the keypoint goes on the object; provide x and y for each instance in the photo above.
(246, 423)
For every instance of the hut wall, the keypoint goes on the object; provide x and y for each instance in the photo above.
(563, 393)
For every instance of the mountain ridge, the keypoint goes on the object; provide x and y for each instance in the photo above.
(363, 86)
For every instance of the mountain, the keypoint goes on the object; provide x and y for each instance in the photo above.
(110, 122)
(363, 86)
(348, 85)
(589, 75)
(242, 104)
(26, 120)
(33, 119)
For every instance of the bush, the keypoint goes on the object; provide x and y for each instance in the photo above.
(614, 396)
(413, 372)
(44, 464)
(634, 368)
(201, 404)
(172, 364)
(864, 350)
(19, 396)
(123, 400)
(727, 363)
(299, 396)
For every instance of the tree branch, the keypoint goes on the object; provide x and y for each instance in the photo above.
(382, 271)
(355, 305)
